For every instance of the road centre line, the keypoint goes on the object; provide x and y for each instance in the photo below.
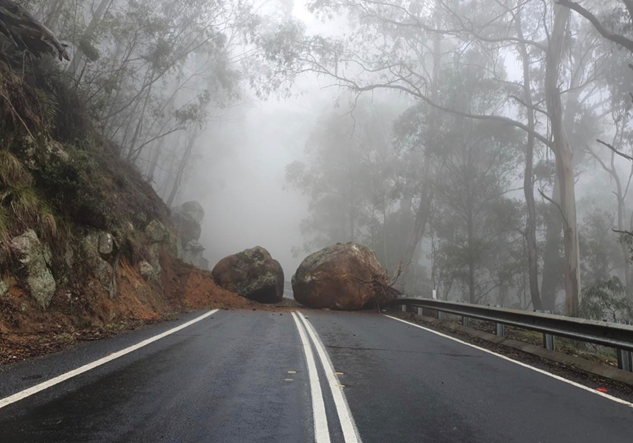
(321, 430)
(541, 371)
(87, 367)
(350, 431)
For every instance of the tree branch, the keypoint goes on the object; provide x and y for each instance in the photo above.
(540, 191)
(621, 154)
(609, 35)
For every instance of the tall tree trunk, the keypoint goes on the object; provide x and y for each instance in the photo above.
(551, 251)
(78, 57)
(620, 196)
(181, 169)
(426, 196)
(421, 219)
(154, 159)
(471, 261)
(564, 160)
(51, 20)
(553, 265)
(528, 181)
(625, 250)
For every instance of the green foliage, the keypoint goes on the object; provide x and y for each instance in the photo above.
(599, 249)
(606, 300)
(12, 173)
(471, 166)
(74, 186)
(22, 206)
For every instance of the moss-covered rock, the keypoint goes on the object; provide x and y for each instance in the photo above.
(35, 260)
(253, 274)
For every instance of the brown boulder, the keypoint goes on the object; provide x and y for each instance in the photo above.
(253, 274)
(344, 277)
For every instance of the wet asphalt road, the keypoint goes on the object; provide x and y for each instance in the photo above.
(226, 379)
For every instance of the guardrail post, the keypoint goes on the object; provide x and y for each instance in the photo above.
(548, 339)
(499, 327)
(465, 321)
(404, 308)
(421, 311)
(625, 362)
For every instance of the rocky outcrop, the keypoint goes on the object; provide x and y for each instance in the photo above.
(187, 219)
(253, 274)
(147, 271)
(345, 277)
(193, 255)
(158, 236)
(98, 255)
(35, 260)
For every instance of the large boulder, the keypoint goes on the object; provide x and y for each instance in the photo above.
(253, 274)
(344, 277)
(194, 209)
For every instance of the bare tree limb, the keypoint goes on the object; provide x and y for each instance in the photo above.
(621, 154)
(532, 107)
(609, 35)
(540, 191)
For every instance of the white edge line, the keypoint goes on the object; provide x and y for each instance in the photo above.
(549, 374)
(321, 430)
(348, 426)
(87, 367)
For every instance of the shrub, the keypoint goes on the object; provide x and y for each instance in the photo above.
(606, 300)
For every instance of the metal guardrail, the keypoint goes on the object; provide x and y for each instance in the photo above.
(613, 335)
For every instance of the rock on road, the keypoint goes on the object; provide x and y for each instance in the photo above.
(254, 376)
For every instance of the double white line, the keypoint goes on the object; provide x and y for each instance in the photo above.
(321, 430)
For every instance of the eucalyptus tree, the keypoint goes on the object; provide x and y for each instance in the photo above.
(613, 21)
(150, 71)
(402, 59)
(476, 224)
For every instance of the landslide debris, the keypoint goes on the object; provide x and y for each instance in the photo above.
(253, 274)
(344, 277)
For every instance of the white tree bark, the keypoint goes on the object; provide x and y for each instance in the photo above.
(564, 160)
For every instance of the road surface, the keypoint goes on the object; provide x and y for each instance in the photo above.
(254, 376)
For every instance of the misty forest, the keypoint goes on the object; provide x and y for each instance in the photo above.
(483, 149)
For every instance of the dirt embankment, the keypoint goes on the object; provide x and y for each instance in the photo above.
(26, 330)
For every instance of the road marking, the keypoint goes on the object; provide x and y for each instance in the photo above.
(321, 430)
(350, 432)
(549, 374)
(85, 368)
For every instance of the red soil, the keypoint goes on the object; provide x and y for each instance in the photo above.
(89, 314)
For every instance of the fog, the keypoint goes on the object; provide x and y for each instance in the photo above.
(480, 148)
(242, 177)
(240, 181)
(240, 171)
